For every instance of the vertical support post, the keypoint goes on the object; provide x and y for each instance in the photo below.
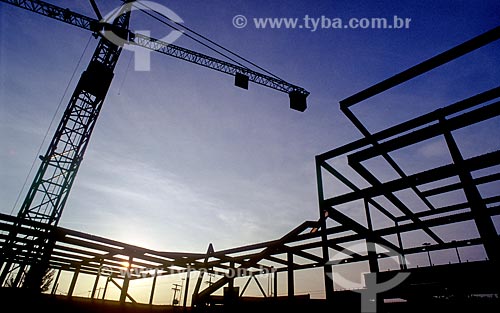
(106, 287)
(73, 281)
(371, 278)
(231, 279)
(153, 287)
(186, 291)
(194, 297)
(327, 268)
(291, 287)
(275, 284)
(454, 242)
(96, 282)
(478, 208)
(231, 297)
(56, 282)
(370, 245)
(402, 257)
(126, 281)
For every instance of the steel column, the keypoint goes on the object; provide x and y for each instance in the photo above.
(291, 284)
(56, 282)
(370, 244)
(275, 284)
(327, 268)
(73, 282)
(478, 208)
(153, 287)
(126, 281)
(186, 290)
(96, 282)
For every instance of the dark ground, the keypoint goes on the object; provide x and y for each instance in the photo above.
(20, 301)
(17, 301)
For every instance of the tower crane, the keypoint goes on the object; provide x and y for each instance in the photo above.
(27, 252)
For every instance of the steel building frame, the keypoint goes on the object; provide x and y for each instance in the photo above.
(439, 123)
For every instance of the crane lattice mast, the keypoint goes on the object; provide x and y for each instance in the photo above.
(44, 203)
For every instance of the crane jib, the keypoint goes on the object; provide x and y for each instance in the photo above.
(296, 94)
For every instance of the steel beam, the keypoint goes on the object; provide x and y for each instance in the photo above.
(151, 296)
(358, 167)
(425, 177)
(290, 276)
(56, 282)
(478, 208)
(121, 291)
(421, 68)
(370, 242)
(186, 290)
(327, 268)
(96, 282)
(275, 274)
(73, 282)
(259, 285)
(465, 119)
(413, 123)
(196, 292)
(126, 281)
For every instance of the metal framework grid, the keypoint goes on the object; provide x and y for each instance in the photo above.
(83, 253)
(423, 185)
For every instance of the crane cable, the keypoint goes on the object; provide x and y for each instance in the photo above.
(197, 40)
(42, 144)
(125, 76)
(207, 39)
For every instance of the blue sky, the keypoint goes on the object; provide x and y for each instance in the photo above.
(180, 158)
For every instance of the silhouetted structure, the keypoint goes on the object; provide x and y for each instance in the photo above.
(440, 286)
(384, 198)
(49, 191)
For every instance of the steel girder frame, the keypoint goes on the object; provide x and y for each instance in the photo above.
(83, 253)
(439, 123)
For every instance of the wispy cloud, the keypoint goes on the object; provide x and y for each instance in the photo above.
(132, 200)
(434, 149)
